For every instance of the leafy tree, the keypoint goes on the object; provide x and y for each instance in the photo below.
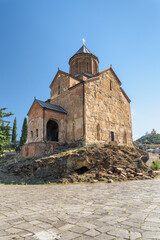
(8, 135)
(4, 129)
(23, 138)
(14, 131)
(149, 139)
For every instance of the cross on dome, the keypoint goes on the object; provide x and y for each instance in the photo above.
(83, 41)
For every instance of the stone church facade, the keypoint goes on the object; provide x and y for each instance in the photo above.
(85, 105)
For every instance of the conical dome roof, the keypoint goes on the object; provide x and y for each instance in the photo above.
(83, 49)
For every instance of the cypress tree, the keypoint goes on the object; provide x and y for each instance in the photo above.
(23, 138)
(14, 131)
(4, 130)
(2, 137)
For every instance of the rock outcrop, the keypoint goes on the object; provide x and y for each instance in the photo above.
(84, 164)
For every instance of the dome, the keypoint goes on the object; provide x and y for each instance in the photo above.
(82, 50)
(84, 61)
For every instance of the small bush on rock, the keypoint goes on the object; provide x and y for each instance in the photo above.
(156, 165)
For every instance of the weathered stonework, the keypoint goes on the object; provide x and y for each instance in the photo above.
(38, 118)
(35, 122)
(107, 110)
(84, 105)
(38, 148)
(71, 99)
(87, 64)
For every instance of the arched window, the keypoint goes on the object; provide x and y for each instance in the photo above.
(110, 85)
(59, 90)
(79, 67)
(98, 132)
(87, 67)
(95, 67)
(31, 134)
(36, 132)
(73, 131)
(125, 137)
(112, 136)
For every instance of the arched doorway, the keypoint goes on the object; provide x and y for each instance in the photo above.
(52, 131)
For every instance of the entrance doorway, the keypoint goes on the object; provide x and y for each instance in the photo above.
(52, 131)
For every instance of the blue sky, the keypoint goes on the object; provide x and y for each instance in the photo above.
(38, 36)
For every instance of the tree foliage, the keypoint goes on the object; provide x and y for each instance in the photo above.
(4, 129)
(23, 138)
(149, 139)
(14, 131)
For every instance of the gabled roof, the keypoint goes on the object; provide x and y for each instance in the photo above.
(111, 69)
(94, 77)
(50, 106)
(67, 74)
(119, 82)
(89, 75)
(84, 49)
(128, 99)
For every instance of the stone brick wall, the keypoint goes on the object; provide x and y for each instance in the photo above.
(83, 59)
(60, 118)
(107, 110)
(35, 122)
(61, 80)
(38, 149)
(72, 82)
(71, 100)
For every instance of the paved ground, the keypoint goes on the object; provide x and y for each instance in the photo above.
(126, 210)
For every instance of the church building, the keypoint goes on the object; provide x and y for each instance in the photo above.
(85, 105)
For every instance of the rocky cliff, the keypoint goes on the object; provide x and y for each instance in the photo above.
(84, 164)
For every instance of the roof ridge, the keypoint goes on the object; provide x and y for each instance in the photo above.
(51, 106)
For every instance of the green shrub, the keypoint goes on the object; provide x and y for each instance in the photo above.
(155, 165)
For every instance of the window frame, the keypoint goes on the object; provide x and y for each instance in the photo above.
(111, 85)
(59, 90)
(31, 134)
(112, 136)
(79, 67)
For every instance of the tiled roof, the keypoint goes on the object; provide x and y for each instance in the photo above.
(51, 106)
(87, 74)
(84, 49)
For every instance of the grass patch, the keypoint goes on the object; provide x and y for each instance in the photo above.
(155, 165)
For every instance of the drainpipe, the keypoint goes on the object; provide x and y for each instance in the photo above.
(44, 124)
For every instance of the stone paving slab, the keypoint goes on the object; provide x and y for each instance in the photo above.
(123, 210)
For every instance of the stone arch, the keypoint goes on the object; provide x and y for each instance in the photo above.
(52, 130)
(98, 132)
